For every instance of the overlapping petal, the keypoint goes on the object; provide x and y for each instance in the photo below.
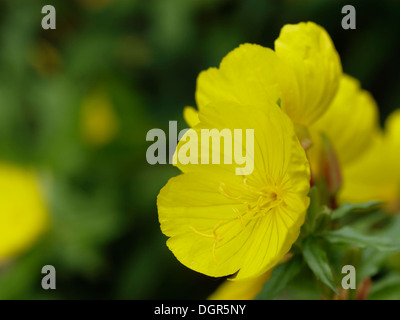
(350, 124)
(302, 74)
(246, 75)
(376, 174)
(310, 73)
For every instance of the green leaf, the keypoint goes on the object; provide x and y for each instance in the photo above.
(348, 235)
(318, 262)
(386, 288)
(371, 262)
(281, 276)
(354, 207)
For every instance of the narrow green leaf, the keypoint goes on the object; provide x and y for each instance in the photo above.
(348, 235)
(386, 288)
(318, 262)
(354, 207)
(371, 262)
(281, 276)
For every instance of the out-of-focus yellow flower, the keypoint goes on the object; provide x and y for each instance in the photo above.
(303, 74)
(350, 124)
(99, 123)
(23, 214)
(222, 224)
(376, 174)
(242, 289)
(246, 289)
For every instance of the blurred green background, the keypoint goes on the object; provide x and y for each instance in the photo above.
(77, 102)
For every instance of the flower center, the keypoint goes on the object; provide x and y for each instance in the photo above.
(266, 201)
(258, 200)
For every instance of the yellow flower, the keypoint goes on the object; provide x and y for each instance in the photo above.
(310, 73)
(303, 74)
(23, 215)
(350, 124)
(241, 290)
(220, 223)
(376, 174)
(99, 122)
(246, 289)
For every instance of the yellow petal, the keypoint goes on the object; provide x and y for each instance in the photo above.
(376, 174)
(392, 126)
(242, 289)
(220, 223)
(191, 116)
(194, 214)
(310, 73)
(23, 216)
(368, 178)
(246, 75)
(350, 124)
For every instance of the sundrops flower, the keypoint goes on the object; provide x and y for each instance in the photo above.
(350, 124)
(302, 74)
(23, 215)
(309, 76)
(376, 174)
(223, 224)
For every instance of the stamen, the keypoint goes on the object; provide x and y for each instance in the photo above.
(264, 198)
(201, 233)
(224, 190)
(240, 217)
